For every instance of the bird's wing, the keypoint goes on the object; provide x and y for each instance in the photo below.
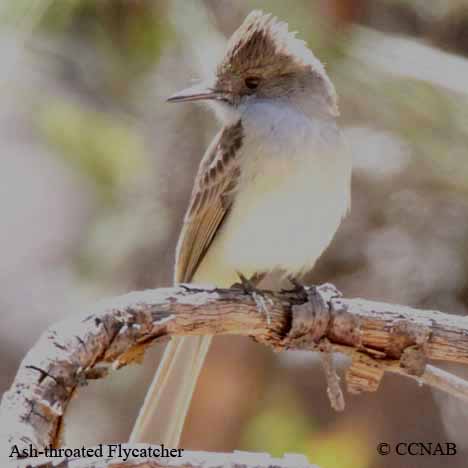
(211, 199)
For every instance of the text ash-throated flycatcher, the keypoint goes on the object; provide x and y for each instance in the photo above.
(270, 191)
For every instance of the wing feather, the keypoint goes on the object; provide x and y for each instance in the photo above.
(211, 200)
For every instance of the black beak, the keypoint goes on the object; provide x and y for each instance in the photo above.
(195, 93)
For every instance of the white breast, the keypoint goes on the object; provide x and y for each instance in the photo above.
(292, 196)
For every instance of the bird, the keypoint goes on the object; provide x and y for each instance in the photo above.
(269, 195)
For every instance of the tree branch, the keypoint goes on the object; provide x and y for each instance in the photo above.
(379, 337)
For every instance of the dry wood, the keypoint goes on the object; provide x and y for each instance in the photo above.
(379, 337)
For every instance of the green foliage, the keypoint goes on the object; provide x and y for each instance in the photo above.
(59, 14)
(103, 147)
(129, 34)
(345, 448)
(282, 427)
(279, 428)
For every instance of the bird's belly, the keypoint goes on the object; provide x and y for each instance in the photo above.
(272, 225)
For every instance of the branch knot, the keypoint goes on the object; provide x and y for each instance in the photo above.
(311, 319)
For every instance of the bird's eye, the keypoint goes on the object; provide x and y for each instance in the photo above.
(252, 82)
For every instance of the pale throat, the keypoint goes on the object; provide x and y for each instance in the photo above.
(298, 103)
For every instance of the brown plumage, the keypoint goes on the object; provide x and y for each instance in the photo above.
(263, 48)
(210, 201)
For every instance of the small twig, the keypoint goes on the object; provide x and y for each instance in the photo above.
(440, 379)
(334, 392)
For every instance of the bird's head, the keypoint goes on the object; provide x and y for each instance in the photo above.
(264, 61)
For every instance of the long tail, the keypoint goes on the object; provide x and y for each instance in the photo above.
(168, 399)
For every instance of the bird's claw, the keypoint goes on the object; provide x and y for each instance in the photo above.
(298, 288)
(245, 284)
(249, 286)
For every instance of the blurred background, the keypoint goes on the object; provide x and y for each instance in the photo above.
(96, 170)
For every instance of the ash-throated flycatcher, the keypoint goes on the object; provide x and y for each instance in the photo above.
(270, 191)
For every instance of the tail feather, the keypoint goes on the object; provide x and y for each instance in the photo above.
(168, 399)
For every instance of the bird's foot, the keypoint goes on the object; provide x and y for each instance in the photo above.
(298, 288)
(249, 286)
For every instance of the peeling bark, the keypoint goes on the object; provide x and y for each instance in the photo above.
(379, 337)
